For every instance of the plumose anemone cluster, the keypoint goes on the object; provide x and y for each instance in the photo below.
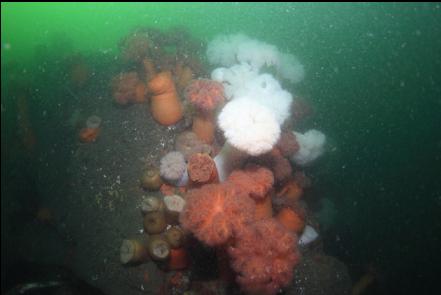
(235, 179)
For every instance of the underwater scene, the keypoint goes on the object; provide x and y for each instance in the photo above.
(221, 148)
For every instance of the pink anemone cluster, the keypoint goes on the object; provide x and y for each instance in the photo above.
(215, 211)
(253, 180)
(264, 257)
(205, 94)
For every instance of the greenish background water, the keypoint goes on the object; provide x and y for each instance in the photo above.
(372, 73)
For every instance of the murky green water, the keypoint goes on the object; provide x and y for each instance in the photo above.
(372, 75)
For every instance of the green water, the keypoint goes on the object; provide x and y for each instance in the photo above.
(100, 26)
(373, 74)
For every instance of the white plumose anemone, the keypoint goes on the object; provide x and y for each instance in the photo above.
(229, 50)
(173, 168)
(241, 81)
(312, 144)
(249, 126)
(223, 49)
(258, 105)
(290, 68)
(234, 78)
(266, 91)
(308, 236)
(93, 122)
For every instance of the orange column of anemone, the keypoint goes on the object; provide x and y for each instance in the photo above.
(201, 170)
(140, 93)
(291, 191)
(179, 259)
(256, 182)
(205, 95)
(291, 220)
(88, 135)
(127, 88)
(165, 105)
(204, 126)
(264, 208)
(184, 75)
(149, 69)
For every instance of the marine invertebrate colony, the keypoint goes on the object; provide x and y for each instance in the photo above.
(228, 50)
(254, 181)
(227, 201)
(264, 256)
(258, 106)
(215, 212)
(250, 130)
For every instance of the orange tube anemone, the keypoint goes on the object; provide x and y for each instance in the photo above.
(179, 259)
(165, 105)
(140, 93)
(256, 182)
(204, 126)
(149, 68)
(287, 144)
(205, 95)
(88, 135)
(291, 220)
(264, 208)
(201, 170)
(184, 75)
(127, 88)
(188, 144)
(291, 191)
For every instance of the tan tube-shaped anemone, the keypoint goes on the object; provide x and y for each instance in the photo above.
(175, 237)
(151, 179)
(154, 222)
(173, 205)
(158, 248)
(151, 204)
(134, 250)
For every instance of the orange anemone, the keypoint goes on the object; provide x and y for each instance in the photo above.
(88, 135)
(202, 170)
(205, 95)
(291, 191)
(165, 106)
(291, 220)
(256, 182)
